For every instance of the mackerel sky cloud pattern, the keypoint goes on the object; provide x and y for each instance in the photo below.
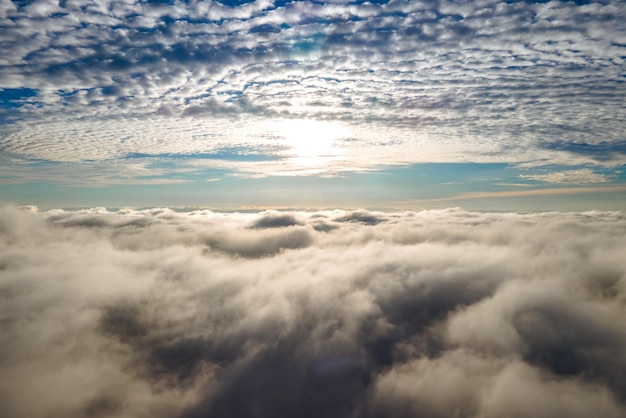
(518, 82)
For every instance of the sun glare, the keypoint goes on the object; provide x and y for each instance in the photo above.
(311, 142)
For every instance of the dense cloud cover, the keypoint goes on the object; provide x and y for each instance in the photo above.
(156, 313)
(414, 81)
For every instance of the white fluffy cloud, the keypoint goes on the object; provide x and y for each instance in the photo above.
(328, 314)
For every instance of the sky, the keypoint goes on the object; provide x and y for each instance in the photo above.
(489, 105)
(330, 314)
(312, 209)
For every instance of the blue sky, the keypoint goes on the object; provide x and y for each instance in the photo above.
(514, 105)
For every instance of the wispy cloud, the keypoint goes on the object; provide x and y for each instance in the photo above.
(582, 176)
(532, 192)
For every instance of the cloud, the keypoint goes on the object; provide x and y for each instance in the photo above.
(522, 193)
(276, 220)
(475, 80)
(361, 216)
(581, 176)
(329, 314)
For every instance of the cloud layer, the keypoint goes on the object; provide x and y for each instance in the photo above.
(414, 81)
(329, 314)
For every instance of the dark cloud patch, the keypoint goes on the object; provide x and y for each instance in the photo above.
(324, 226)
(259, 245)
(161, 353)
(176, 362)
(289, 380)
(276, 220)
(362, 217)
(572, 344)
(124, 323)
(88, 221)
(431, 299)
(433, 314)
(102, 407)
(95, 220)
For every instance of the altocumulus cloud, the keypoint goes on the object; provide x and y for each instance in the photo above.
(155, 313)
(485, 81)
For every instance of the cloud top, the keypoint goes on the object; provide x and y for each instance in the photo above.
(434, 313)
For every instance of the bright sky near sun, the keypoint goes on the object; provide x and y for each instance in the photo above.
(391, 104)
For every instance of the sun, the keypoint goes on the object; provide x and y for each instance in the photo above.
(311, 142)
